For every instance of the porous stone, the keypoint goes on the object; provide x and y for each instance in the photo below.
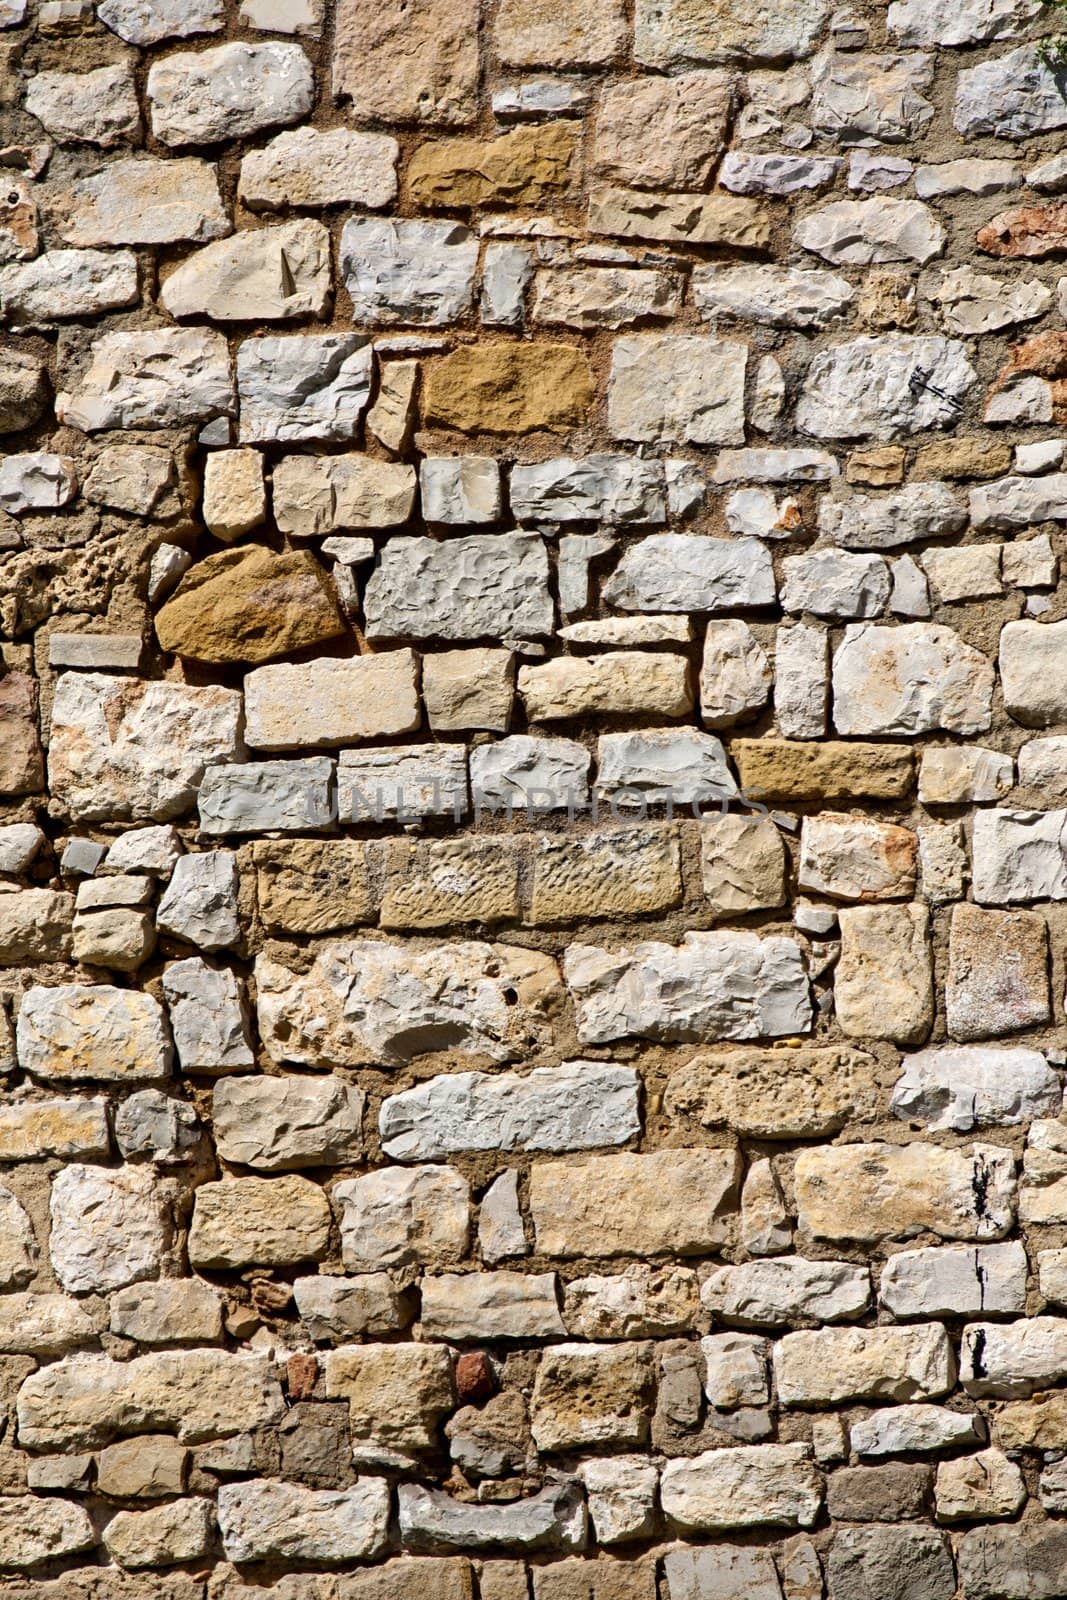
(874, 1191)
(228, 92)
(748, 1090)
(96, 107)
(243, 1222)
(508, 388)
(462, 588)
(589, 1394)
(34, 1530)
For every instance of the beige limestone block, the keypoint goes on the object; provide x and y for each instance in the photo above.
(622, 682)
(250, 605)
(397, 1393)
(244, 1222)
(857, 858)
(809, 1092)
(571, 34)
(612, 873)
(742, 863)
(440, 882)
(408, 62)
(235, 498)
(878, 1191)
(883, 985)
(312, 885)
(592, 1394)
(530, 165)
(783, 769)
(827, 1366)
(329, 702)
(508, 388)
(468, 689)
(668, 1202)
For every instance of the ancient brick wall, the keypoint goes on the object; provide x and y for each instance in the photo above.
(533, 800)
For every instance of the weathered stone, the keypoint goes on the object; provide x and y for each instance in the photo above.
(861, 233)
(619, 682)
(397, 1394)
(369, 1002)
(1018, 855)
(150, 1123)
(392, 1217)
(869, 386)
(853, 858)
(405, 65)
(603, 297)
(316, 494)
(717, 219)
(200, 904)
(911, 679)
(539, 774)
(265, 274)
(790, 1289)
(32, 1128)
(952, 1282)
(21, 757)
(875, 1191)
(960, 1089)
(337, 1310)
(508, 388)
(399, 271)
(671, 32)
(228, 92)
(747, 1487)
(622, 1492)
(1013, 1563)
(280, 1124)
(35, 925)
(313, 167)
(674, 1202)
(176, 1311)
(553, 1519)
(311, 885)
(590, 1394)
(242, 1222)
(1030, 655)
(86, 1400)
(179, 1531)
(34, 1530)
(743, 172)
(23, 390)
(997, 980)
(808, 1093)
(685, 572)
(249, 605)
(780, 297)
(1013, 1359)
(576, 1106)
(405, 782)
(97, 107)
(883, 987)
(265, 1519)
(921, 1429)
(78, 1033)
(860, 97)
(462, 588)
(686, 765)
(143, 201)
(490, 1305)
(150, 380)
(614, 873)
(68, 283)
(130, 478)
(831, 584)
(525, 36)
(831, 1365)
(235, 499)
(109, 1228)
(303, 386)
(691, 110)
(893, 1493)
(466, 489)
(713, 986)
(525, 166)
(892, 1563)
(677, 387)
(644, 1302)
(721, 1572)
(331, 702)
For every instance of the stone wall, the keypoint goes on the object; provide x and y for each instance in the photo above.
(533, 800)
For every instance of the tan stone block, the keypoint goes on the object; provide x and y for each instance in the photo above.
(622, 682)
(508, 388)
(857, 858)
(251, 605)
(569, 34)
(690, 113)
(439, 882)
(150, 1467)
(408, 60)
(312, 885)
(468, 689)
(877, 466)
(397, 1393)
(743, 864)
(997, 972)
(778, 1094)
(35, 925)
(529, 165)
(21, 757)
(781, 769)
(412, 1578)
(884, 1191)
(669, 1202)
(601, 1577)
(235, 498)
(963, 458)
(1038, 1424)
(883, 984)
(328, 702)
(590, 1394)
(721, 219)
(608, 874)
(260, 1222)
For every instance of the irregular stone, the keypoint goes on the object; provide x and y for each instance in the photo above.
(553, 1519)
(97, 107)
(312, 167)
(689, 766)
(130, 478)
(397, 1394)
(962, 774)
(713, 986)
(911, 679)
(576, 1106)
(1030, 653)
(975, 303)
(68, 283)
(603, 297)
(742, 865)
(282, 1124)
(84, 1401)
(262, 274)
(744, 172)
(1018, 855)
(872, 386)
(670, 1202)
(861, 233)
(367, 1002)
(228, 92)
(774, 1484)
(1013, 1359)
(919, 511)
(394, 1216)
(23, 390)
(78, 1033)
(490, 1305)
(464, 588)
(861, 97)
(789, 1289)
(959, 1089)
(672, 32)
(897, 1491)
(854, 858)
(735, 675)
(149, 1123)
(721, 1572)
(830, 584)
(883, 985)
(21, 757)
(464, 489)
(265, 1519)
(109, 1228)
(748, 1091)
(34, 1530)
(508, 388)
(248, 605)
(922, 1429)
(892, 1563)
(316, 494)
(303, 386)
(622, 1496)
(402, 781)
(141, 200)
(243, 1222)
(396, 64)
(143, 24)
(1013, 1563)
(765, 1225)
(687, 572)
(399, 271)
(832, 1365)
(780, 297)
(200, 903)
(525, 36)
(677, 387)
(30, 1129)
(336, 1310)
(717, 219)
(589, 1394)
(998, 979)
(691, 110)
(178, 1311)
(19, 1251)
(643, 1302)
(525, 166)
(35, 925)
(873, 1191)
(949, 1281)
(331, 702)
(1010, 503)
(618, 683)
